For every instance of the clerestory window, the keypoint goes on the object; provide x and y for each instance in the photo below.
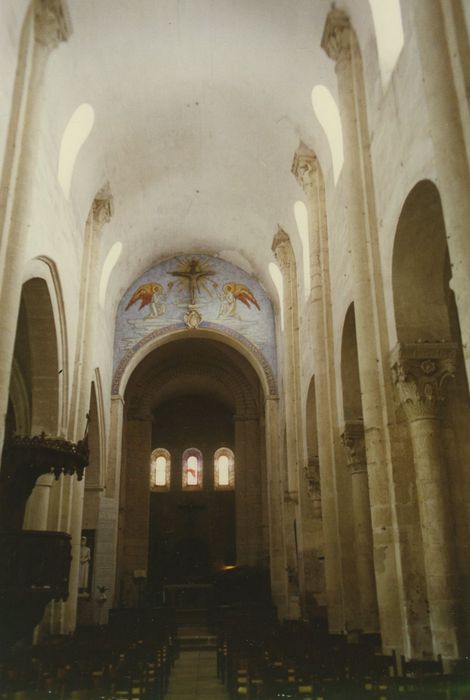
(224, 469)
(160, 469)
(192, 469)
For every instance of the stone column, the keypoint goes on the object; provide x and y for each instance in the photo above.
(340, 44)
(36, 515)
(49, 26)
(319, 589)
(450, 153)
(241, 515)
(100, 214)
(282, 249)
(354, 445)
(420, 371)
(306, 170)
(277, 555)
(136, 518)
(106, 547)
(253, 504)
(294, 512)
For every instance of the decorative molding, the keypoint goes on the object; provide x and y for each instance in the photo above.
(419, 371)
(192, 317)
(305, 167)
(336, 39)
(52, 23)
(353, 440)
(282, 248)
(102, 208)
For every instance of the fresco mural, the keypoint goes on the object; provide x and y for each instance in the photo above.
(195, 291)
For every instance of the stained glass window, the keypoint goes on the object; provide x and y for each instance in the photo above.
(160, 464)
(192, 469)
(224, 469)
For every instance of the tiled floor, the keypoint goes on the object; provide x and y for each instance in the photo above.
(194, 676)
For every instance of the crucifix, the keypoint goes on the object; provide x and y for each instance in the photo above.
(193, 272)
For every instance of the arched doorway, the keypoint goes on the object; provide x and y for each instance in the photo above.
(188, 399)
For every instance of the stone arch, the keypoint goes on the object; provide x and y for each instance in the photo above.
(192, 369)
(222, 383)
(36, 381)
(434, 411)
(45, 269)
(420, 268)
(207, 330)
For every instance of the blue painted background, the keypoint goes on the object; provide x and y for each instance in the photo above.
(134, 324)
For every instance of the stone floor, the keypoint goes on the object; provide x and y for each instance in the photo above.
(194, 676)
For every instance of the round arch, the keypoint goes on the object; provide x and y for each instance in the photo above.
(43, 268)
(208, 331)
(225, 385)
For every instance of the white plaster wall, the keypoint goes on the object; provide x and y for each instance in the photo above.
(12, 18)
(401, 154)
(237, 150)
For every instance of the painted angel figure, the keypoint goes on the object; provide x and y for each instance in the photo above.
(231, 293)
(151, 294)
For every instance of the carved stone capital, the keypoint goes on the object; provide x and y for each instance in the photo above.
(282, 249)
(52, 23)
(305, 168)
(312, 475)
(419, 371)
(336, 39)
(102, 208)
(354, 444)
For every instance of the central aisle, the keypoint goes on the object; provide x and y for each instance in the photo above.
(195, 676)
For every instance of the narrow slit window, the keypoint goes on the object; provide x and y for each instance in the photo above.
(224, 469)
(160, 464)
(192, 469)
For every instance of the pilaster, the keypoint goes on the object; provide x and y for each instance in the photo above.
(49, 26)
(340, 44)
(307, 171)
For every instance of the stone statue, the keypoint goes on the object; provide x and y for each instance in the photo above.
(85, 558)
